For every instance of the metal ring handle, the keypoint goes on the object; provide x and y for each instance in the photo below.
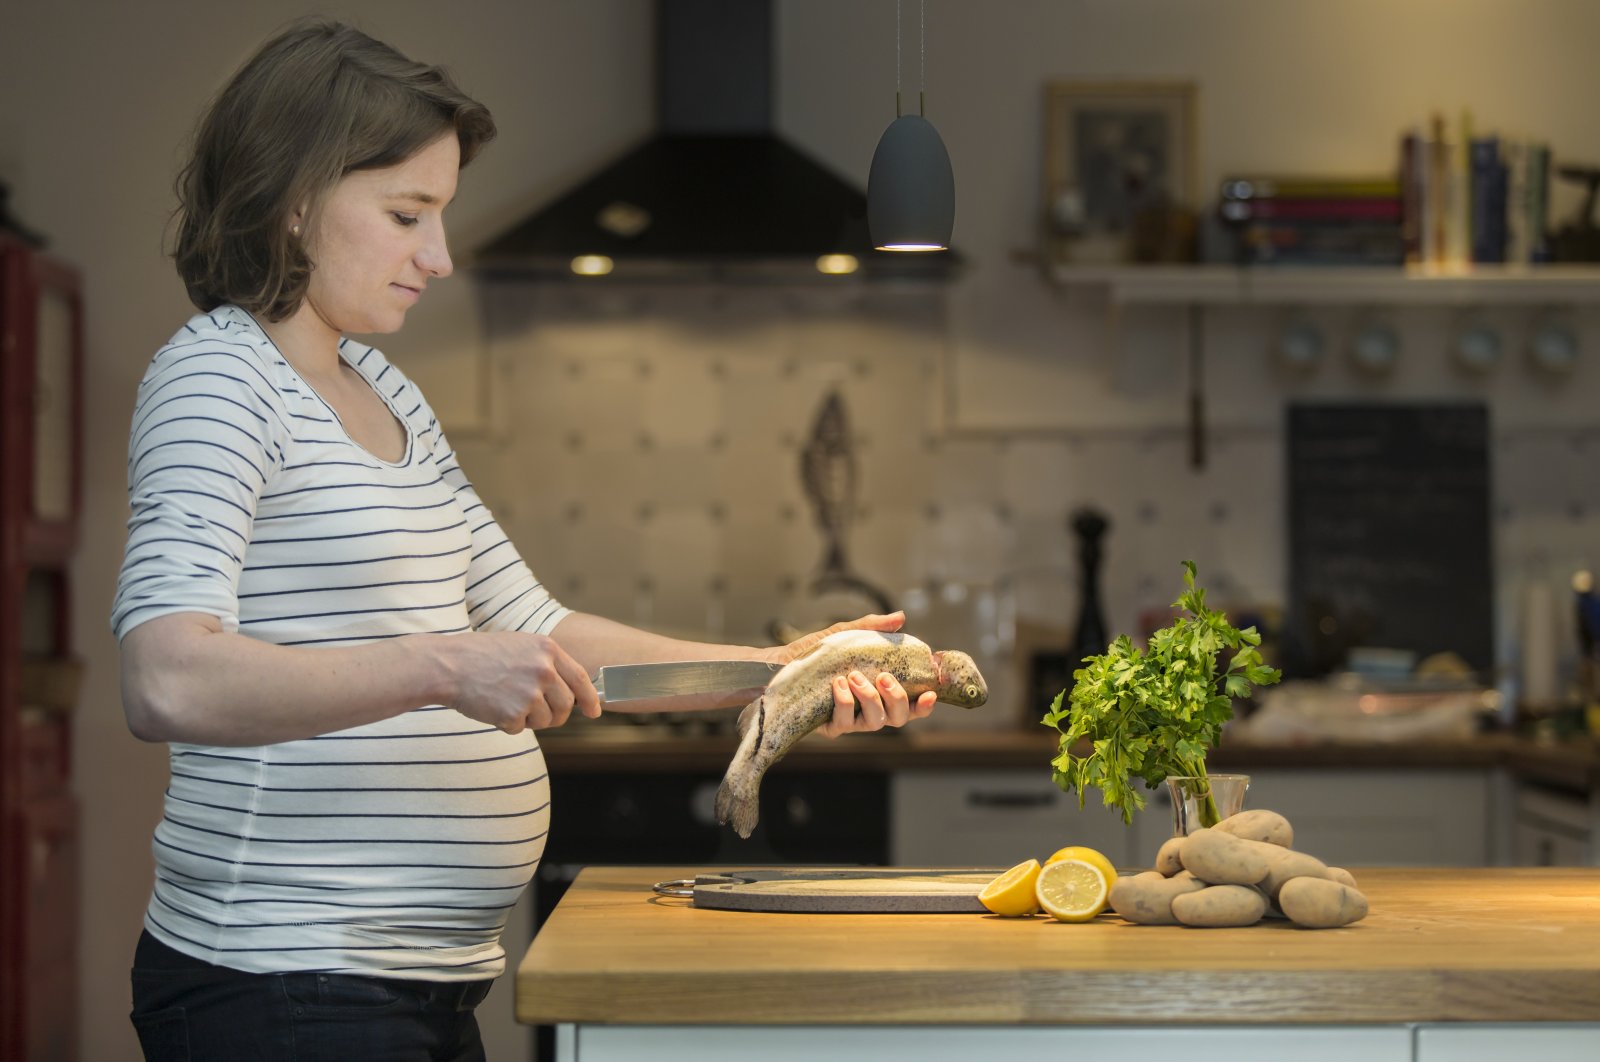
(676, 887)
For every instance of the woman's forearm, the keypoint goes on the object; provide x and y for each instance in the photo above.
(185, 679)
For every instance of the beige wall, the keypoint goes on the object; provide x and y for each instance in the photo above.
(97, 97)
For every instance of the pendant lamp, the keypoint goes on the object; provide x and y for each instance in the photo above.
(911, 189)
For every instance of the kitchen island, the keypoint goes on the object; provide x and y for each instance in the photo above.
(1452, 964)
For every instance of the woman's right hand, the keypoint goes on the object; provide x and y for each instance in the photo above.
(515, 680)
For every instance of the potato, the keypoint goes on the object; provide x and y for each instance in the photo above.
(1167, 861)
(1147, 898)
(1342, 876)
(1259, 825)
(1285, 864)
(1220, 905)
(1318, 903)
(1222, 859)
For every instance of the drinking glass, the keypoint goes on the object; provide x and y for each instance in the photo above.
(1205, 801)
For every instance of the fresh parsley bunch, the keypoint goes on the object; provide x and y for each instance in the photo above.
(1155, 712)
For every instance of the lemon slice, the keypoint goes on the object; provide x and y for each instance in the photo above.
(1012, 893)
(1072, 890)
(1088, 855)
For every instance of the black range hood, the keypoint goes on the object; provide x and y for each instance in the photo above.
(715, 194)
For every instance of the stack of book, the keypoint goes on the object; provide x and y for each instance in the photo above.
(1313, 221)
(1473, 199)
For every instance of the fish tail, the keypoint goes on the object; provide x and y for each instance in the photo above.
(739, 795)
(738, 805)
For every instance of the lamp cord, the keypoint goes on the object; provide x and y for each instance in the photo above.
(897, 58)
(922, 73)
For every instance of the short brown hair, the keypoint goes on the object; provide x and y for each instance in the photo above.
(314, 103)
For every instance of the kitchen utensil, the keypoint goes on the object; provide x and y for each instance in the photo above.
(633, 682)
(837, 890)
(828, 474)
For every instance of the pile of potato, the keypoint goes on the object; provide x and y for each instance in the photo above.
(1236, 873)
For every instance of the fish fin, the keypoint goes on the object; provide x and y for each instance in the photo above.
(739, 795)
(747, 714)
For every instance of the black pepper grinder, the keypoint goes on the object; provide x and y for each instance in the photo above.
(1089, 634)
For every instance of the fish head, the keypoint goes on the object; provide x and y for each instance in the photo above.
(960, 681)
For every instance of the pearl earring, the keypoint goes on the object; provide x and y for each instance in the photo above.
(295, 229)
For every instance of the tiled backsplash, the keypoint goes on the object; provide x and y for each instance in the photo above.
(645, 456)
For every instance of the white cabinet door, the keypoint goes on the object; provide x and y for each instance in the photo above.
(1496, 1043)
(995, 818)
(1351, 818)
(1299, 1043)
(1552, 829)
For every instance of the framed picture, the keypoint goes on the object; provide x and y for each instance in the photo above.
(1120, 162)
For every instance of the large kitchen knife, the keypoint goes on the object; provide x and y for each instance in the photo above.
(635, 682)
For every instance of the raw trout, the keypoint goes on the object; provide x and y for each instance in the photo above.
(800, 698)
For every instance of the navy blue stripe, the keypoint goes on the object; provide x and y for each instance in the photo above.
(187, 754)
(156, 894)
(258, 839)
(167, 872)
(235, 902)
(343, 486)
(508, 604)
(405, 737)
(385, 611)
(350, 814)
(349, 866)
(351, 464)
(536, 620)
(356, 509)
(362, 788)
(347, 563)
(362, 586)
(362, 638)
(134, 563)
(362, 534)
(508, 565)
(501, 543)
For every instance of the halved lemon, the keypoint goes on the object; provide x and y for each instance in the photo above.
(1072, 890)
(1088, 855)
(1012, 893)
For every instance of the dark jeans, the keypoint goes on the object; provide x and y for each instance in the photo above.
(186, 1010)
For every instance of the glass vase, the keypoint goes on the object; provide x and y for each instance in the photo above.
(1205, 801)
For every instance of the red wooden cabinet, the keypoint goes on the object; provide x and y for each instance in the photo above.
(41, 413)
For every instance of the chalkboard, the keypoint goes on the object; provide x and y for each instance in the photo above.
(1389, 526)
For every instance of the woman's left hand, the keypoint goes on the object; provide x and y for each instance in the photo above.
(857, 703)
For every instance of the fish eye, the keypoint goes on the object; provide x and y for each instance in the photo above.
(972, 691)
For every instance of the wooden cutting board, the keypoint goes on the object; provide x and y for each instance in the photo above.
(840, 890)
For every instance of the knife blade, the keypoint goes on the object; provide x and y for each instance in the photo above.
(635, 682)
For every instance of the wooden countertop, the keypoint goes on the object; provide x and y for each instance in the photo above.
(1573, 764)
(1491, 945)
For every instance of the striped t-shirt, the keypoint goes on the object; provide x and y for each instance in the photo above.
(396, 848)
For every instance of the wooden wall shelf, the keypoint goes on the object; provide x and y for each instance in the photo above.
(1219, 285)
